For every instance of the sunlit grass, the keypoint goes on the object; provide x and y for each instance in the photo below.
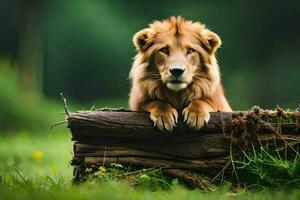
(36, 156)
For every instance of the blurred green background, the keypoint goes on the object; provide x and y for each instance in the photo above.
(84, 49)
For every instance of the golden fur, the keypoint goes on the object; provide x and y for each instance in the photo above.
(191, 47)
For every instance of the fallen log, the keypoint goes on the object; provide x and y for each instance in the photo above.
(107, 136)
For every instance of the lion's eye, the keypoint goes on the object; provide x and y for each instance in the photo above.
(190, 50)
(165, 50)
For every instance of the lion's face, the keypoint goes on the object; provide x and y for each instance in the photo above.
(177, 50)
(176, 60)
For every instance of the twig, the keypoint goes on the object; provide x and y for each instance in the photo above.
(56, 124)
(65, 104)
(191, 178)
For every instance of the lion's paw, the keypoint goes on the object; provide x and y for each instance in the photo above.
(194, 117)
(165, 119)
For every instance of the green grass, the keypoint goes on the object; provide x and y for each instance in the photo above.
(16, 155)
(265, 168)
(24, 177)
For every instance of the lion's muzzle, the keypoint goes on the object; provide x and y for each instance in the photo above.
(177, 70)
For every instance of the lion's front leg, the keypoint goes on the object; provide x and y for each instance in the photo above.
(162, 114)
(196, 114)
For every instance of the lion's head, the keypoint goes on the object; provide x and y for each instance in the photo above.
(176, 54)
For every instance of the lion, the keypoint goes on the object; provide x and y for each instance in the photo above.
(175, 74)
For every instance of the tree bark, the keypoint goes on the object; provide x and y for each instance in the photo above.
(119, 136)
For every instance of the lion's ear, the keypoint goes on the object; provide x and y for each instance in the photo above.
(214, 41)
(141, 39)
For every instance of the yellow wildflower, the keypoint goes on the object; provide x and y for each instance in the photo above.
(88, 170)
(37, 155)
(102, 169)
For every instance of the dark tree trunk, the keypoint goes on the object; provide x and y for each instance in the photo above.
(30, 53)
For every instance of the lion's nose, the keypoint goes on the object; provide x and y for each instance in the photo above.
(176, 72)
